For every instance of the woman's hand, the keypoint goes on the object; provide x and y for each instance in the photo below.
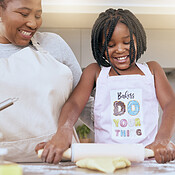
(164, 150)
(54, 148)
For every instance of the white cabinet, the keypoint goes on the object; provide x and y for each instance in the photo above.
(86, 56)
(160, 47)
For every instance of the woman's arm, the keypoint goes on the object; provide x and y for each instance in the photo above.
(70, 112)
(69, 59)
(164, 149)
(61, 51)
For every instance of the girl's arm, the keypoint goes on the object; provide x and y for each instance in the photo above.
(70, 112)
(163, 148)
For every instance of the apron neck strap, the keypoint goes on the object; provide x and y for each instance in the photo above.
(37, 46)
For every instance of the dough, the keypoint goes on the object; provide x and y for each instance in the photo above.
(10, 169)
(105, 164)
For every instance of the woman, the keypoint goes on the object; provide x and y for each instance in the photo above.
(38, 69)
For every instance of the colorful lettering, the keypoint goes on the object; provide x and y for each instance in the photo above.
(128, 133)
(116, 122)
(133, 107)
(123, 134)
(119, 108)
(139, 132)
(117, 132)
(123, 123)
(137, 122)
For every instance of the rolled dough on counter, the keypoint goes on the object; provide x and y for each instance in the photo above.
(104, 164)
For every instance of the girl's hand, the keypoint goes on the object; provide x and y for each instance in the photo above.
(54, 148)
(164, 150)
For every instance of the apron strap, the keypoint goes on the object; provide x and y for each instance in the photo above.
(145, 69)
(37, 46)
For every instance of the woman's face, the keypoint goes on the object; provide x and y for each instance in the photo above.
(19, 21)
(119, 46)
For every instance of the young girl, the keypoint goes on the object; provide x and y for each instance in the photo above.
(127, 92)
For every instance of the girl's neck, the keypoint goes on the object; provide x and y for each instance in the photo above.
(133, 69)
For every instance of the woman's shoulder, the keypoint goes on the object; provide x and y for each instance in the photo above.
(47, 37)
(55, 45)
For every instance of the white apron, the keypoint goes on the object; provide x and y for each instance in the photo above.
(42, 85)
(126, 108)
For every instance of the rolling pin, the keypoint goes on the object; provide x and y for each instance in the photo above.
(7, 103)
(133, 152)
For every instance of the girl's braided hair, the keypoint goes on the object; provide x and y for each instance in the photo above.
(105, 25)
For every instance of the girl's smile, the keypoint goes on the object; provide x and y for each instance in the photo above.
(121, 59)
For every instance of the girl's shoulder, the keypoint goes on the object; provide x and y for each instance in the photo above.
(92, 69)
(93, 66)
(154, 67)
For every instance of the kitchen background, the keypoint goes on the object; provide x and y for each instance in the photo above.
(73, 20)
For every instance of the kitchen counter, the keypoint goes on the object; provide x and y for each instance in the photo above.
(147, 167)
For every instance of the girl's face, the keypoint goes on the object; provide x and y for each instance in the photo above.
(19, 21)
(119, 46)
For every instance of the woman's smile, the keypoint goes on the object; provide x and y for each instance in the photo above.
(25, 34)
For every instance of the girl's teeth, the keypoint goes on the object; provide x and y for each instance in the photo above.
(122, 58)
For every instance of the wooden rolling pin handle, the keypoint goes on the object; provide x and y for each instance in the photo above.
(66, 154)
(149, 153)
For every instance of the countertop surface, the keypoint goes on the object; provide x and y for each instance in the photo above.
(144, 168)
